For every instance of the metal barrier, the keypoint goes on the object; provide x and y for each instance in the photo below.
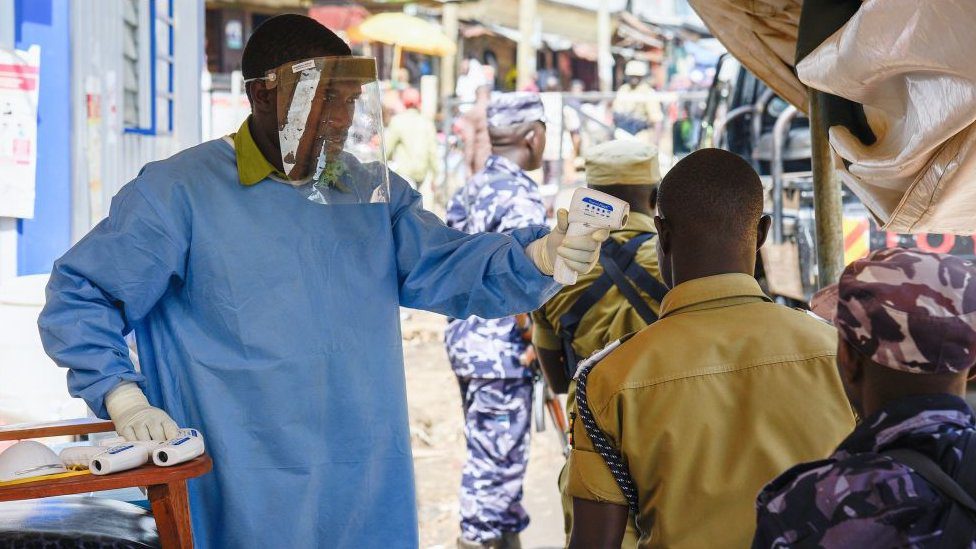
(780, 134)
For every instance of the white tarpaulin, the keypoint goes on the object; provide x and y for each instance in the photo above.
(909, 64)
(19, 83)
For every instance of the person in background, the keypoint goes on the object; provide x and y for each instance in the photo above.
(411, 141)
(487, 354)
(682, 423)
(907, 326)
(562, 134)
(634, 109)
(531, 85)
(473, 127)
(471, 76)
(401, 81)
(596, 119)
(583, 318)
(391, 104)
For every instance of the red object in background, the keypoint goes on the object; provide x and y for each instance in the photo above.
(338, 18)
(18, 77)
(410, 98)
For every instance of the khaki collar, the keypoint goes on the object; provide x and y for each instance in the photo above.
(701, 291)
(252, 166)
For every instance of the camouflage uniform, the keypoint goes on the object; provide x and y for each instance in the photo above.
(858, 498)
(496, 426)
(498, 199)
(485, 353)
(910, 311)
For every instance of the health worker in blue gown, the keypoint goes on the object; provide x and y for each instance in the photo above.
(262, 276)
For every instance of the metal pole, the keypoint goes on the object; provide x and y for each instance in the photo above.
(449, 106)
(449, 20)
(525, 55)
(828, 208)
(604, 56)
(781, 132)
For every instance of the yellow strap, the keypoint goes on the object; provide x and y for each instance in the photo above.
(45, 477)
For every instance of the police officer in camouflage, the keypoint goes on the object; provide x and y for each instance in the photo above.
(487, 354)
(906, 476)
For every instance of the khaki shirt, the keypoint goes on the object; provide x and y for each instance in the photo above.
(708, 404)
(610, 318)
(411, 145)
(637, 101)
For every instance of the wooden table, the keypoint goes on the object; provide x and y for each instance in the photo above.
(166, 486)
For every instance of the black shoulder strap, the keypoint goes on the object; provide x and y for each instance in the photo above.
(959, 529)
(612, 268)
(637, 274)
(570, 320)
(622, 255)
(631, 246)
(611, 455)
(931, 472)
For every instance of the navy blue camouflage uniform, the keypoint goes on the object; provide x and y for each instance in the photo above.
(485, 354)
(913, 312)
(859, 498)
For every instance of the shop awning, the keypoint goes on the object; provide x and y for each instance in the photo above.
(406, 31)
(339, 18)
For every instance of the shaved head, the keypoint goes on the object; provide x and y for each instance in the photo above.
(521, 143)
(711, 205)
(713, 191)
(506, 136)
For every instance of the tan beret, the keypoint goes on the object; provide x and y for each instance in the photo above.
(622, 162)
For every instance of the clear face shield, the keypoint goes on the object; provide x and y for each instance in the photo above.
(330, 128)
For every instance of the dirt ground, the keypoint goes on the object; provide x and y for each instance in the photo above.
(438, 445)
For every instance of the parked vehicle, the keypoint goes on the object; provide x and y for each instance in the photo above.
(744, 116)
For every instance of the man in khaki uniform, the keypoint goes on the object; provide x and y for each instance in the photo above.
(685, 421)
(583, 318)
(634, 109)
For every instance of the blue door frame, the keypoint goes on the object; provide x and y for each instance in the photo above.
(44, 238)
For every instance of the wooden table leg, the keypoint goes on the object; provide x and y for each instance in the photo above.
(172, 511)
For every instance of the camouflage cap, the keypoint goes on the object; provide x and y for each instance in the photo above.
(908, 310)
(515, 108)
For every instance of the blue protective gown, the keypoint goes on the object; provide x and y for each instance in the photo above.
(271, 323)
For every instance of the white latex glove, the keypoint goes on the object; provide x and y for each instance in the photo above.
(135, 418)
(580, 252)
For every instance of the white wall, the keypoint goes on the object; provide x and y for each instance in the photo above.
(32, 388)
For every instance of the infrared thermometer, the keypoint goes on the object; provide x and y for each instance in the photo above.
(78, 458)
(120, 458)
(590, 211)
(179, 450)
(117, 454)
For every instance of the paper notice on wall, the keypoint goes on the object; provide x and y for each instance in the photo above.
(93, 104)
(19, 83)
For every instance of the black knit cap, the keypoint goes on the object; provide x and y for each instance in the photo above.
(286, 38)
